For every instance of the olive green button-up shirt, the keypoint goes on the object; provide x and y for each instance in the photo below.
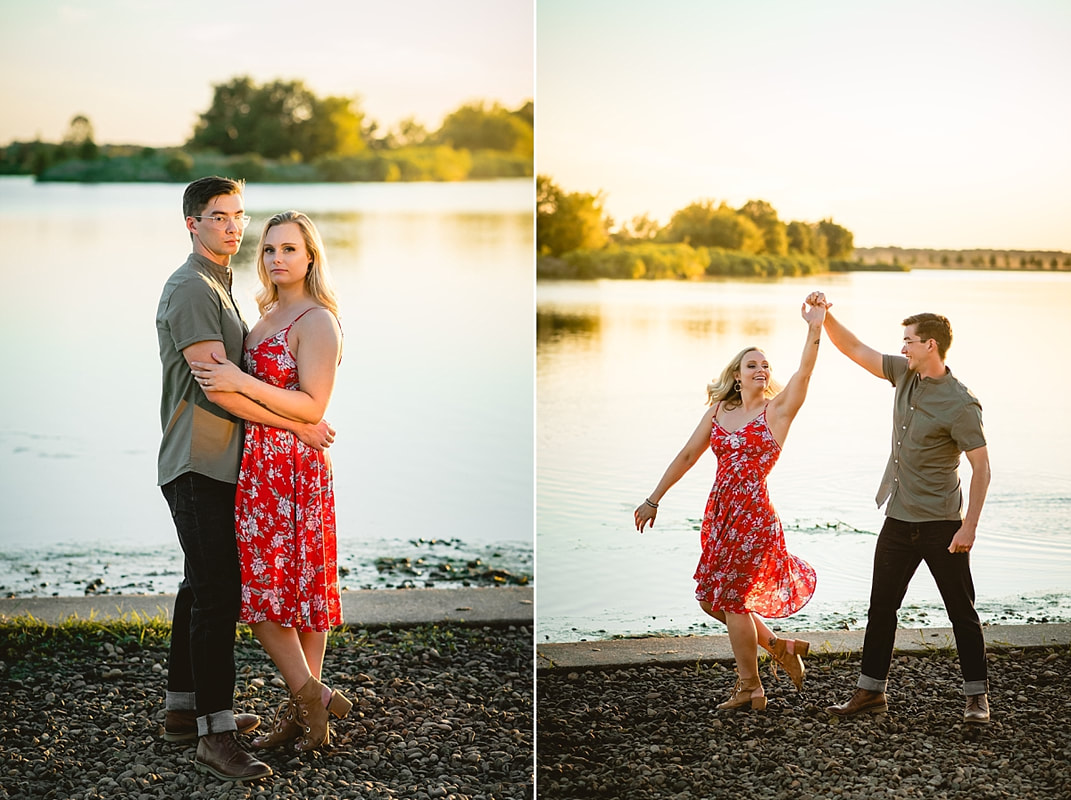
(935, 420)
(198, 436)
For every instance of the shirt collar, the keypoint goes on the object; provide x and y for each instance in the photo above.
(942, 379)
(207, 265)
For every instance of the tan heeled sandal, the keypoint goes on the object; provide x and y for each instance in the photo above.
(791, 663)
(742, 695)
(284, 728)
(311, 714)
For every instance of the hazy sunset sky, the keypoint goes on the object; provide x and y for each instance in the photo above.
(142, 71)
(910, 123)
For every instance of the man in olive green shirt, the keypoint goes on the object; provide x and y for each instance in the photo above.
(935, 420)
(197, 470)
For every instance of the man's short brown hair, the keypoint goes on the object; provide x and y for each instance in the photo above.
(932, 326)
(198, 194)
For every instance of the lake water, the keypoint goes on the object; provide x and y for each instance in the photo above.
(433, 403)
(621, 374)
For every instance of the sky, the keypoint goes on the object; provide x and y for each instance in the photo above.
(143, 70)
(912, 124)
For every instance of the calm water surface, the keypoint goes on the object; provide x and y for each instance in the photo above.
(433, 402)
(621, 374)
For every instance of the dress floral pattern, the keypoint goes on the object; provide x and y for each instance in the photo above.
(285, 515)
(744, 566)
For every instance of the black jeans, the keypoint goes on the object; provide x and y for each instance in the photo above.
(900, 548)
(209, 599)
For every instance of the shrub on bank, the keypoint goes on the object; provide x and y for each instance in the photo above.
(439, 163)
(646, 260)
(418, 163)
(734, 264)
(496, 164)
(677, 261)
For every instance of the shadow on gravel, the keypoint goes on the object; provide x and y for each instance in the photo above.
(654, 732)
(439, 712)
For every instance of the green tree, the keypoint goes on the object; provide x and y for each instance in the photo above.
(278, 119)
(43, 156)
(840, 243)
(702, 224)
(774, 233)
(800, 237)
(407, 133)
(79, 138)
(819, 243)
(226, 125)
(567, 221)
(335, 128)
(638, 229)
(526, 114)
(476, 127)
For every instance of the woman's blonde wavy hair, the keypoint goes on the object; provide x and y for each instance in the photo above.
(724, 390)
(317, 282)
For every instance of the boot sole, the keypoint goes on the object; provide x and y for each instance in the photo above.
(871, 710)
(233, 778)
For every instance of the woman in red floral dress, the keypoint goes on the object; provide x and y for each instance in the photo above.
(745, 573)
(285, 505)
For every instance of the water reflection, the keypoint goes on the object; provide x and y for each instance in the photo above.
(622, 371)
(553, 326)
(434, 396)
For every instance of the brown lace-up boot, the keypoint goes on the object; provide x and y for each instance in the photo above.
(312, 714)
(220, 755)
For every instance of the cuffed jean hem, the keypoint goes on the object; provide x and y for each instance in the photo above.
(216, 722)
(975, 687)
(872, 684)
(180, 701)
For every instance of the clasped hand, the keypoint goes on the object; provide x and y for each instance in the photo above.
(818, 299)
(220, 376)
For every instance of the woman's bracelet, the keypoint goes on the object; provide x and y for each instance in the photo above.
(648, 502)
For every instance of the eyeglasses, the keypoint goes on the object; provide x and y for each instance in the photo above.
(220, 220)
(915, 341)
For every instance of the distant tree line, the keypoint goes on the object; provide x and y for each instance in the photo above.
(283, 131)
(576, 239)
(927, 258)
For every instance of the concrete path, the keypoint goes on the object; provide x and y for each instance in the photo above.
(690, 649)
(513, 605)
(498, 605)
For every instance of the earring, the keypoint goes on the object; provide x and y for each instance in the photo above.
(737, 387)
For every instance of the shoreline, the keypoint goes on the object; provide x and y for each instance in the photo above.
(692, 649)
(363, 608)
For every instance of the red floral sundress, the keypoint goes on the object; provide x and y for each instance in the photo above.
(285, 513)
(744, 566)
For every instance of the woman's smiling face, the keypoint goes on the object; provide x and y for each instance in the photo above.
(754, 369)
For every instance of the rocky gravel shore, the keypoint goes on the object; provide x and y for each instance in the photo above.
(653, 732)
(439, 712)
